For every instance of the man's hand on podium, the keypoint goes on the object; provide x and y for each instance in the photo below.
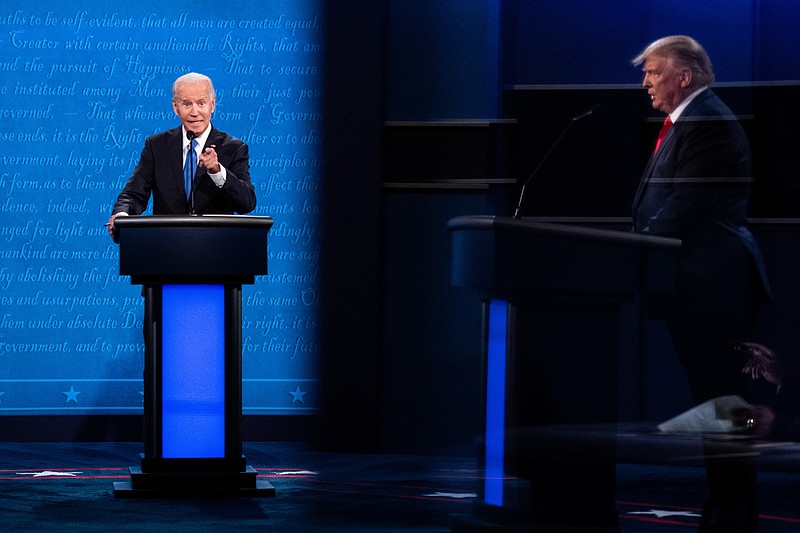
(110, 223)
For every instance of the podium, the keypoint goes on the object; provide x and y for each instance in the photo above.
(554, 305)
(192, 269)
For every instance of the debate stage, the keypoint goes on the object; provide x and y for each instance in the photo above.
(69, 487)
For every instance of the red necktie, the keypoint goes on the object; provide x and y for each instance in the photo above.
(663, 132)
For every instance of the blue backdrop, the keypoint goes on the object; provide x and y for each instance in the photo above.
(83, 84)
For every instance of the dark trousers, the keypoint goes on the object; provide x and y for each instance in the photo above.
(705, 328)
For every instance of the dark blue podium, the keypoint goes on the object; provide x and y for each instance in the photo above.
(192, 269)
(553, 304)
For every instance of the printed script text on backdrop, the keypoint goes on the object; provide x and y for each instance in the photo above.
(83, 84)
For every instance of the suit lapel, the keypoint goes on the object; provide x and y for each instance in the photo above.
(175, 148)
(214, 137)
(700, 101)
(648, 171)
(643, 185)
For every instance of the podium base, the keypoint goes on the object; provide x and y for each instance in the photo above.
(194, 485)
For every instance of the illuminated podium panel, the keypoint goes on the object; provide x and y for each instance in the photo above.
(553, 298)
(192, 269)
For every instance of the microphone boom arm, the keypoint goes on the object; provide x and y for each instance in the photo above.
(569, 126)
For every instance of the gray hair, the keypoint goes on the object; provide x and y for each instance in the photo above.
(686, 52)
(193, 77)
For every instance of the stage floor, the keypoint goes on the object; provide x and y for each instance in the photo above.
(69, 487)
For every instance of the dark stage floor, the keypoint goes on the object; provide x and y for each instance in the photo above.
(68, 487)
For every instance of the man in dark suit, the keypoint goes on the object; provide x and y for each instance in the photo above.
(221, 178)
(696, 188)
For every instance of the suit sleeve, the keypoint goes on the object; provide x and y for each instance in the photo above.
(136, 194)
(238, 187)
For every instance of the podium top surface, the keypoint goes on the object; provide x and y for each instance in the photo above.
(562, 231)
(189, 221)
(512, 256)
(192, 248)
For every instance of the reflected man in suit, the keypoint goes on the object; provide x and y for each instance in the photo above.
(221, 183)
(696, 188)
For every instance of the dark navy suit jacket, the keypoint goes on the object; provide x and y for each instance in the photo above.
(160, 173)
(696, 188)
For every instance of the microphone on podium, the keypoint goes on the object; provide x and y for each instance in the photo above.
(572, 121)
(191, 136)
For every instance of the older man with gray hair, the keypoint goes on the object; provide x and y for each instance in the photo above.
(696, 188)
(191, 169)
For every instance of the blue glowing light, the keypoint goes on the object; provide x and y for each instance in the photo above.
(193, 371)
(495, 402)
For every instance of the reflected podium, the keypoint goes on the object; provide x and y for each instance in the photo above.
(553, 302)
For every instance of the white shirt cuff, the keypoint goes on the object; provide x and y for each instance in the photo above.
(220, 177)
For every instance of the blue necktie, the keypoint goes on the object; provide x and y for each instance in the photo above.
(189, 167)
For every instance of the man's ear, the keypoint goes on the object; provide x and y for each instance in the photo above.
(686, 77)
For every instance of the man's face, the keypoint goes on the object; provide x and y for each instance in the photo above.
(194, 104)
(665, 83)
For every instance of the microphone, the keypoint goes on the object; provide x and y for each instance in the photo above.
(191, 136)
(571, 123)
